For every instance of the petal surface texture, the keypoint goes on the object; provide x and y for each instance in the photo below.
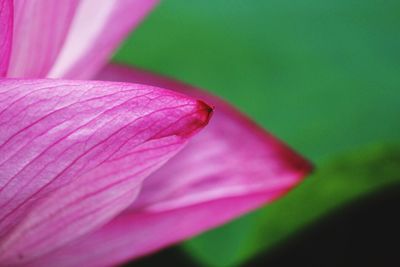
(230, 168)
(40, 29)
(6, 22)
(74, 154)
(91, 42)
(70, 38)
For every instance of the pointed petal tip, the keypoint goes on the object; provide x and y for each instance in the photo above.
(301, 165)
(191, 124)
(206, 111)
(304, 167)
(301, 168)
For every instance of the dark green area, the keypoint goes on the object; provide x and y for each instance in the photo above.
(321, 75)
(345, 178)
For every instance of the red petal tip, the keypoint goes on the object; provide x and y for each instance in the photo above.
(205, 111)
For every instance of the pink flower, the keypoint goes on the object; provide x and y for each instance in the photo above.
(94, 173)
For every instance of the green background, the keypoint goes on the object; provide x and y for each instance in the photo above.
(324, 76)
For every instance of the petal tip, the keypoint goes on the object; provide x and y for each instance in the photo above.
(203, 114)
(190, 124)
(303, 167)
(205, 111)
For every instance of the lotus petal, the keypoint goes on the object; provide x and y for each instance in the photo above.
(6, 22)
(230, 168)
(91, 42)
(56, 39)
(40, 29)
(74, 154)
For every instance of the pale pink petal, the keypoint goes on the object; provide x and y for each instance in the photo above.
(40, 28)
(98, 28)
(70, 38)
(74, 154)
(230, 168)
(135, 234)
(6, 22)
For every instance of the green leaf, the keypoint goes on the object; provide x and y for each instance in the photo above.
(338, 182)
(321, 75)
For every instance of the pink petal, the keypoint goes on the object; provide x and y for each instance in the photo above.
(70, 38)
(40, 29)
(97, 30)
(6, 22)
(74, 154)
(135, 234)
(230, 168)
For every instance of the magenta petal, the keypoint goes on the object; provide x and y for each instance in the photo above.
(40, 28)
(135, 234)
(74, 154)
(230, 168)
(6, 24)
(91, 42)
(56, 39)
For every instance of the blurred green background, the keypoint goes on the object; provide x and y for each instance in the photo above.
(324, 76)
